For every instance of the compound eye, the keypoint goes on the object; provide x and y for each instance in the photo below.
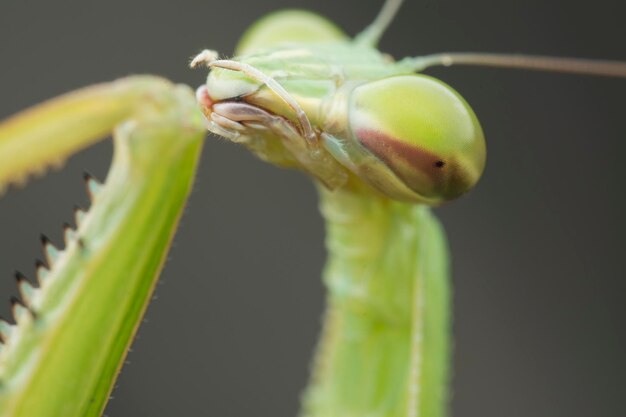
(422, 131)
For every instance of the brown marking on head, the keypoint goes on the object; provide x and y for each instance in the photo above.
(423, 171)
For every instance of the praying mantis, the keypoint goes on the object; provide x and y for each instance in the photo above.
(247, 213)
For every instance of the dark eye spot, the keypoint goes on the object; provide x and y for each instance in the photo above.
(440, 164)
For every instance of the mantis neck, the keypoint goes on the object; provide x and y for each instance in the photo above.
(384, 348)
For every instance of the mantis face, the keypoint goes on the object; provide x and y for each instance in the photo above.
(409, 137)
(347, 115)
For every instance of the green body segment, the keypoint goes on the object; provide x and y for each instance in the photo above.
(385, 346)
(63, 361)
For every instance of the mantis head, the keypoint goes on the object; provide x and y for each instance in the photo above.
(410, 137)
(407, 136)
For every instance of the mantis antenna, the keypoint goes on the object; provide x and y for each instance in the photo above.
(530, 62)
(372, 34)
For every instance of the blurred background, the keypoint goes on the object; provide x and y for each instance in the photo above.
(538, 246)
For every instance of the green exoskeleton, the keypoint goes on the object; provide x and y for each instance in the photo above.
(381, 142)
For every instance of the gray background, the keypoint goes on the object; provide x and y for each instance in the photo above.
(537, 247)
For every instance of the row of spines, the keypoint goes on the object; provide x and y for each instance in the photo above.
(24, 307)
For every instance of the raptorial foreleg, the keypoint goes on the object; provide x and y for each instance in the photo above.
(73, 332)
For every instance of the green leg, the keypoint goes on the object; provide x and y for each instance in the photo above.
(64, 354)
(385, 347)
